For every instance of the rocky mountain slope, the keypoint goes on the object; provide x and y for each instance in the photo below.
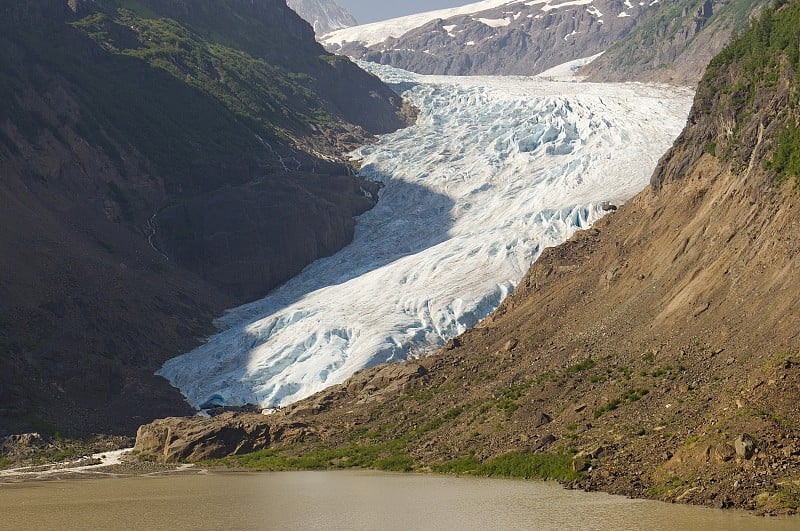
(674, 42)
(161, 160)
(323, 15)
(670, 40)
(655, 355)
(491, 37)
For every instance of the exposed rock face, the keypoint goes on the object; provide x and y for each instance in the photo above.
(323, 15)
(147, 187)
(195, 439)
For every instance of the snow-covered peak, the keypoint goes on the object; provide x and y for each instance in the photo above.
(324, 15)
(496, 37)
(378, 32)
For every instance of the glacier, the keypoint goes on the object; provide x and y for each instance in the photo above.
(495, 170)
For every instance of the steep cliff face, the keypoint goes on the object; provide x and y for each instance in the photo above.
(323, 15)
(131, 134)
(661, 345)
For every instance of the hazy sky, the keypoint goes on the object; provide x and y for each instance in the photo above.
(373, 10)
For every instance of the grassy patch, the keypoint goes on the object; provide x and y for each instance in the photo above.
(632, 395)
(507, 401)
(390, 454)
(788, 497)
(514, 465)
(664, 489)
(467, 465)
(395, 463)
(524, 465)
(6, 462)
(585, 365)
(380, 456)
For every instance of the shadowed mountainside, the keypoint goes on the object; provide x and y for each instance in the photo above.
(161, 161)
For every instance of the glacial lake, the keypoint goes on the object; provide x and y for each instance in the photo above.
(350, 500)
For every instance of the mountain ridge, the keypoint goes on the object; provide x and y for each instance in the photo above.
(666, 41)
(654, 355)
(323, 15)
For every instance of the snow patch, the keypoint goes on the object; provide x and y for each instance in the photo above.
(495, 22)
(549, 7)
(592, 10)
(566, 71)
(377, 32)
(623, 15)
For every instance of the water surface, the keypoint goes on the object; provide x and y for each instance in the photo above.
(349, 500)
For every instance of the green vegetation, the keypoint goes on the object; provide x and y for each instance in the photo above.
(786, 160)
(191, 90)
(385, 456)
(762, 63)
(667, 371)
(585, 365)
(788, 497)
(514, 465)
(6, 462)
(507, 401)
(36, 422)
(631, 395)
(391, 456)
(664, 23)
(376, 448)
(666, 488)
(68, 453)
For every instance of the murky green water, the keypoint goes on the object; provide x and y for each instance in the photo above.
(344, 500)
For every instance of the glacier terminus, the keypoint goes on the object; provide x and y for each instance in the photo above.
(495, 170)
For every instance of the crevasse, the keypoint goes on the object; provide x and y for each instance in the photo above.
(494, 171)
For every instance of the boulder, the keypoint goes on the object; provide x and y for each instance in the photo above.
(540, 419)
(745, 446)
(544, 442)
(453, 344)
(580, 465)
(194, 439)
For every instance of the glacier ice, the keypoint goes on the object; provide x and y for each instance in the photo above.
(495, 170)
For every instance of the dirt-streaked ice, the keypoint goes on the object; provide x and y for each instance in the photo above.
(495, 170)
